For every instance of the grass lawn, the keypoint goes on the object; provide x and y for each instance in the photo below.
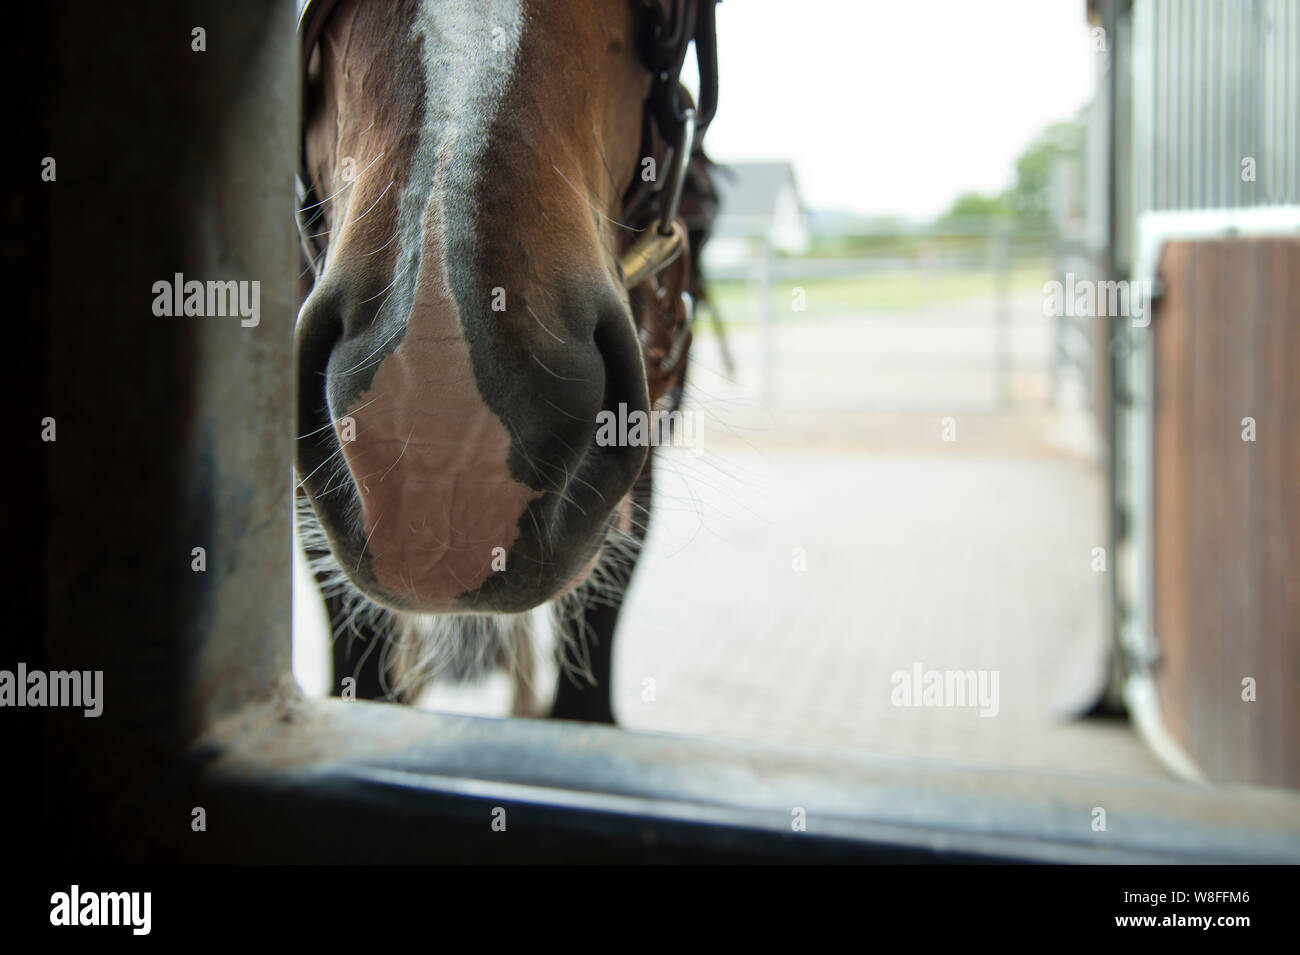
(892, 292)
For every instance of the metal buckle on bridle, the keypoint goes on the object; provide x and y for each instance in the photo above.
(659, 246)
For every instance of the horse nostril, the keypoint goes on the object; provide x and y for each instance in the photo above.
(625, 384)
(319, 330)
(340, 341)
(620, 351)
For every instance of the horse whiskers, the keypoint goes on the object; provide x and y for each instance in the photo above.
(365, 301)
(337, 452)
(559, 492)
(543, 326)
(396, 233)
(417, 650)
(351, 182)
(330, 424)
(328, 232)
(604, 160)
(546, 543)
(604, 215)
(556, 374)
(566, 414)
(401, 328)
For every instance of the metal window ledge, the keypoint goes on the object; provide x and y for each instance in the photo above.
(342, 781)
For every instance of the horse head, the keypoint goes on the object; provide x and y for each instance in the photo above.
(469, 161)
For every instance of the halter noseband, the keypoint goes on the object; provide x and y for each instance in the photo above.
(676, 24)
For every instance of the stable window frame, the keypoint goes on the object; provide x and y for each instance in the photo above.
(285, 778)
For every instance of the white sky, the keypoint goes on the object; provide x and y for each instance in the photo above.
(895, 107)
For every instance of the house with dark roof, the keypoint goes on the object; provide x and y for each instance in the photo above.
(758, 203)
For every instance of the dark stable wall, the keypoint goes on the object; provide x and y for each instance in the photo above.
(172, 433)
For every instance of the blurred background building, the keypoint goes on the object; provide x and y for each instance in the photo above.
(759, 208)
(921, 460)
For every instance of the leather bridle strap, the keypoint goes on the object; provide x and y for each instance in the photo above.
(676, 24)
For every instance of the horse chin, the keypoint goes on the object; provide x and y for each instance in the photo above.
(581, 577)
(621, 519)
(522, 593)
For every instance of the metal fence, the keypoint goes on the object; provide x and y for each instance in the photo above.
(921, 322)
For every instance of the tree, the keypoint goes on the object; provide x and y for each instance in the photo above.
(1030, 199)
(975, 205)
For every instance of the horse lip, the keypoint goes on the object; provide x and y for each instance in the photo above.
(349, 548)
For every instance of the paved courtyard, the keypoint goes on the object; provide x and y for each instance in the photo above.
(816, 548)
(939, 562)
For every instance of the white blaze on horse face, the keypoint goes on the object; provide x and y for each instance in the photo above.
(430, 458)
